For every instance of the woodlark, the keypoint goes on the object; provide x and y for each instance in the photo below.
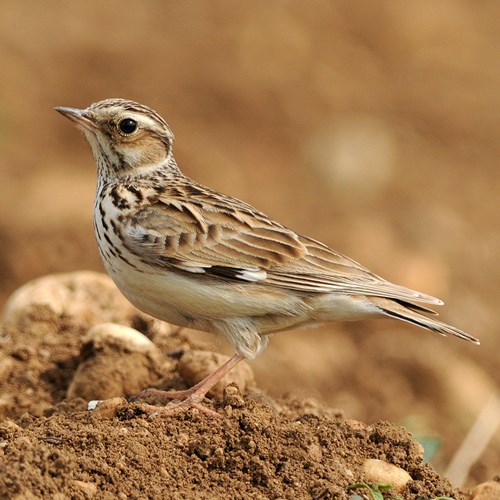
(197, 258)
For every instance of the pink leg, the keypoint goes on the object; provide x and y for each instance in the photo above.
(190, 398)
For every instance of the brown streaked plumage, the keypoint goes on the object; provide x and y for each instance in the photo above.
(198, 258)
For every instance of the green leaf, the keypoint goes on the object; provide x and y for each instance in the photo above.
(374, 491)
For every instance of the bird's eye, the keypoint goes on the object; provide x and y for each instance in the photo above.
(127, 126)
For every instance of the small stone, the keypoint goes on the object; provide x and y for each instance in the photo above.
(92, 405)
(89, 489)
(314, 452)
(164, 474)
(490, 490)
(85, 297)
(9, 427)
(182, 439)
(108, 408)
(116, 361)
(378, 471)
(232, 396)
(119, 336)
(355, 424)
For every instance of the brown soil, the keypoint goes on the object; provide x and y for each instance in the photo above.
(370, 126)
(261, 448)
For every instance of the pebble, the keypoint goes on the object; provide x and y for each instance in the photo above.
(232, 397)
(119, 336)
(87, 488)
(116, 360)
(377, 471)
(489, 490)
(106, 408)
(85, 297)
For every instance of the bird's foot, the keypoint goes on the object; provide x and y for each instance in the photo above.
(184, 401)
(190, 398)
(177, 407)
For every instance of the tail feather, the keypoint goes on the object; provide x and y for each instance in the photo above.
(416, 307)
(411, 313)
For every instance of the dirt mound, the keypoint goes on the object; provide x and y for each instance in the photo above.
(58, 346)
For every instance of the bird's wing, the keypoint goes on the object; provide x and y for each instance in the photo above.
(208, 233)
(210, 236)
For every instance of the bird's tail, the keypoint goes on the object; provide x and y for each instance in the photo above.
(412, 313)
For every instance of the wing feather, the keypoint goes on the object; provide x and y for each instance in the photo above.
(205, 232)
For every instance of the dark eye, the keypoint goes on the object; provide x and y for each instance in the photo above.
(127, 126)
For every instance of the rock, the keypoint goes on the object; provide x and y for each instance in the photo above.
(107, 408)
(118, 336)
(314, 452)
(87, 488)
(489, 490)
(378, 471)
(195, 365)
(355, 424)
(85, 297)
(232, 396)
(116, 361)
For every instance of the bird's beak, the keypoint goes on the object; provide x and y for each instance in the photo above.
(78, 116)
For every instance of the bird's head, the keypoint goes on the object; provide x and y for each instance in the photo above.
(128, 139)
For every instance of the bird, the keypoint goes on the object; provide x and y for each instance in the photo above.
(194, 257)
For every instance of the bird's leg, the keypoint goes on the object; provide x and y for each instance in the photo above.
(190, 398)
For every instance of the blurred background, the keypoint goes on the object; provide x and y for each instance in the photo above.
(371, 126)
